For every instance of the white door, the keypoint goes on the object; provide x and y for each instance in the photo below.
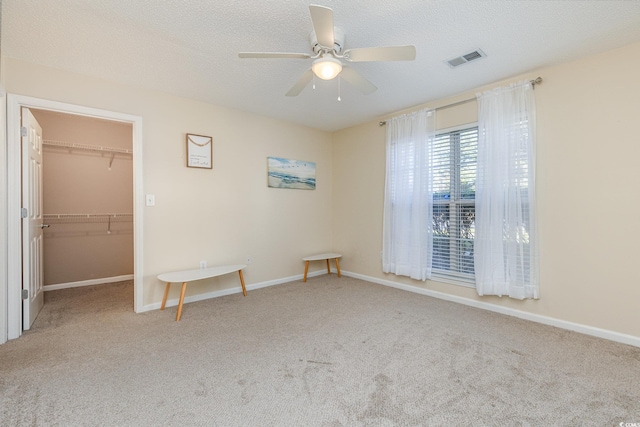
(32, 235)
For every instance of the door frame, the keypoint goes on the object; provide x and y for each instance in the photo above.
(13, 283)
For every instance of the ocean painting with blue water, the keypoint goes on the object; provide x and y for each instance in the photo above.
(286, 173)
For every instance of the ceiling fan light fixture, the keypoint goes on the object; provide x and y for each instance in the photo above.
(326, 68)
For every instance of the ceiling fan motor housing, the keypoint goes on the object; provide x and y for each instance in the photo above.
(338, 42)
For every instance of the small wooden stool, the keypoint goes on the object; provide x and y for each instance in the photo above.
(320, 257)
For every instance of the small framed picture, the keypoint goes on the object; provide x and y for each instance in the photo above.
(199, 151)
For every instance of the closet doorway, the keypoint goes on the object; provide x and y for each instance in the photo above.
(87, 200)
(110, 225)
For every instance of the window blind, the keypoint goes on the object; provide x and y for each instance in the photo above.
(454, 167)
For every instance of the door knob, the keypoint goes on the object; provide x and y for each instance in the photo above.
(44, 225)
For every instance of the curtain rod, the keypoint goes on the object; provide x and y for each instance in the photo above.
(535, 82)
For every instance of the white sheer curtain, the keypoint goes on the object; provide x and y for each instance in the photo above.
(506, 252)
(407, 242)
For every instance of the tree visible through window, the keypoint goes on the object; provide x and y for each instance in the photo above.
(454, 167)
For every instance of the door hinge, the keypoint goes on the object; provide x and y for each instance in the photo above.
(23, 213)
(25, 294)
(23, 131)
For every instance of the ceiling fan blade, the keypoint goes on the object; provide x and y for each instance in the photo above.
(322, 18)
(389, 53)
(302, 82)
(354, 78)
(273, 55)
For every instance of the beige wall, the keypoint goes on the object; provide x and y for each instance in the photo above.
(222, 215)
(588, 193)
(85, 182)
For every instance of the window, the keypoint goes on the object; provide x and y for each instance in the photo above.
(454, 166)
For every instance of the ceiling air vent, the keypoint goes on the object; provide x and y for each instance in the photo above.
(467, 57)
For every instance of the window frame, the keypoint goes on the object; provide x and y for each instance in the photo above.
(448, 276)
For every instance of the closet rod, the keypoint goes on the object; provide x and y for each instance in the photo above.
(86, 147)
(86, 215)
(534, 82)
(100, 217)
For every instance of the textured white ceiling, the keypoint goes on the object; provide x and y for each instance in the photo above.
(189, 47)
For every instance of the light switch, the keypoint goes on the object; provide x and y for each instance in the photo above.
(150, 200)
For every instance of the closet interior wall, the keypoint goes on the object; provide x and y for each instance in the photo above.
(88, 198)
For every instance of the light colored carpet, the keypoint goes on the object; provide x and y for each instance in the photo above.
(329, 352)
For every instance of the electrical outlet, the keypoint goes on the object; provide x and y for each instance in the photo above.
(203, 264)
(248, 260)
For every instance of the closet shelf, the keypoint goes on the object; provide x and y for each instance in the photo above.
(87, 218)
(95, 148)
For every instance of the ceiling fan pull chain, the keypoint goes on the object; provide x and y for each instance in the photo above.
(339, 89)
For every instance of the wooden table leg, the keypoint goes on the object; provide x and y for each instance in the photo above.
(184, 288)
(166, 294)
(306, 269)
(244, 290)
(328, 267)
(338, 266)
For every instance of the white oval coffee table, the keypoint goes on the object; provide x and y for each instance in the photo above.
(187, 276)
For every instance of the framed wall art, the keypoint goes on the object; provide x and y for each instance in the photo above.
(286, 173)
(199, 151)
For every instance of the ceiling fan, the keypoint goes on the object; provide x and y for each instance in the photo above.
(327, 43)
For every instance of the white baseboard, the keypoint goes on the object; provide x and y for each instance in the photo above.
(229, 291)
(87, 282)
(563, 324)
